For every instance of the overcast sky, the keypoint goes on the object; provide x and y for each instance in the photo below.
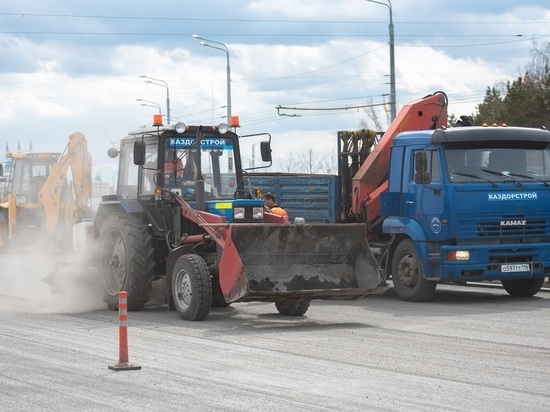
(74, 65)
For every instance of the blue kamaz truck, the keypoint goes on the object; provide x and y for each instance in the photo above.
(441, 204)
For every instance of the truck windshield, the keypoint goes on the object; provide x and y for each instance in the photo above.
(505, 163)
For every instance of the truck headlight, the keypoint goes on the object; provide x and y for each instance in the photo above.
(238, 213)
(458, 255)
(258, 213)
(20, 199)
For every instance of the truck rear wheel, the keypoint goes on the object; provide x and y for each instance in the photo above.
(522, 287)
(293, 307)
(191, 287)
(407, 275)
(125, 260)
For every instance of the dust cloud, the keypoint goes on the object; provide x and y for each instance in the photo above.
(50, 282)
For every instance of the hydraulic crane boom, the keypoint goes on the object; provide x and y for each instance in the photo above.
(430, 112)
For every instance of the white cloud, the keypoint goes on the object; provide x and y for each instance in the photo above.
(55, 85)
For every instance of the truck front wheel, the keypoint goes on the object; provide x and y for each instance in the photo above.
(408, 277)
(191, 287)
(522, 287)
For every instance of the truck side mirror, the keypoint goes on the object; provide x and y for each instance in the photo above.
(265, 150)
(139, 153)
(1, 169)
(421, 174)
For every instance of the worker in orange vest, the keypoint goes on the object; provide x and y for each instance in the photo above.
(271, 203)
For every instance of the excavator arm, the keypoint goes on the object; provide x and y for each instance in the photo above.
(371, 179)
(58, 205)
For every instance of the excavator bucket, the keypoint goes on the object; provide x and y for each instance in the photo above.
(315, 261)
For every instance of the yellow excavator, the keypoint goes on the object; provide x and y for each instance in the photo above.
(41, 199)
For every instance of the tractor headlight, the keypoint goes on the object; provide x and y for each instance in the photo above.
(238, 213)
(181, 127)
(223, 128)
(258, 213)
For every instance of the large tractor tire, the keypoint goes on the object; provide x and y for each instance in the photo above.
(191, 287)
(522, 287)
(407, 275)
(293, 307)
(125, 259)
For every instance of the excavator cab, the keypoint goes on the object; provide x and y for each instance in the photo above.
(29, 172)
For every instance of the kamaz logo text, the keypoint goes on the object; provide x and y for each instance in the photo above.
(513, 223)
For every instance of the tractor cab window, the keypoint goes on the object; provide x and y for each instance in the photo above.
(181, 166)
(150, 178)
(128, 177)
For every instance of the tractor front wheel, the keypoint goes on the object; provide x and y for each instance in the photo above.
(191, 287)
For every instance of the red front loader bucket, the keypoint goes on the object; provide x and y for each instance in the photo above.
(315, 261)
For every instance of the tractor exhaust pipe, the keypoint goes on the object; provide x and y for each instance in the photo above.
(199, 179)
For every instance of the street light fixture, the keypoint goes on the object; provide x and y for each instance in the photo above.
(392, 59)
(150, 104)
(206, 43)
(161, 83)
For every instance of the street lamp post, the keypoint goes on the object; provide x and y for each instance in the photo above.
(150, 104)
(161, 83)
(392, 59)
(206, 43)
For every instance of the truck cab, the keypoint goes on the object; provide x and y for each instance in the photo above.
(469, 204)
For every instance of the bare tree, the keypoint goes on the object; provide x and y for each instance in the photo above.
(290, 164)
(374, 117)
(328, 163)
(310, 162)
(539, 67)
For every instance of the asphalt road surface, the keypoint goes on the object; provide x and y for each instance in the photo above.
(472, 349)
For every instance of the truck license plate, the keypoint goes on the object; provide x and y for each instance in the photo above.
(522, 267)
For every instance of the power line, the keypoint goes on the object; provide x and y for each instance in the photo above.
(257, 35)
(230, 20)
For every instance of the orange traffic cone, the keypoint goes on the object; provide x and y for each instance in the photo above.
(123, 363)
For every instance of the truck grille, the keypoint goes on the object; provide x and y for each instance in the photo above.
(508, 227)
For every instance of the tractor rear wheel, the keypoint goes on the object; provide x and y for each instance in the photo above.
(522, 287)
(125, 260)
(293, 307)
(191, 287)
